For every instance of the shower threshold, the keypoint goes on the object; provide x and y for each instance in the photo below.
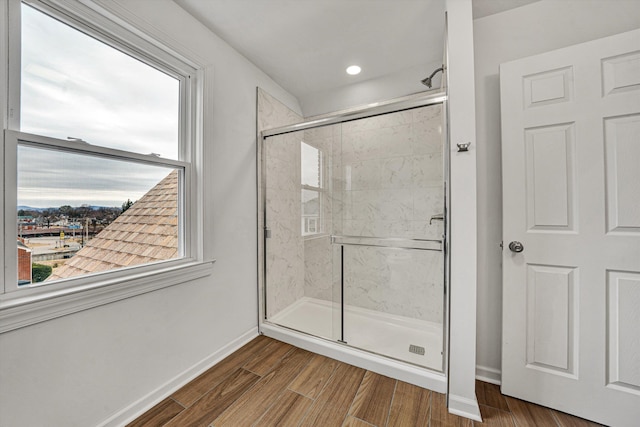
(385, 334)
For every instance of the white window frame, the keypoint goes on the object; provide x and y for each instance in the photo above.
(321, 190)
(25, 305)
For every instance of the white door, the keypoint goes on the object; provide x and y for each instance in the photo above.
(571, 188)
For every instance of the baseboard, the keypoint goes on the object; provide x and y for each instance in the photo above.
(147, 402)
(489, 375)
(464, 407)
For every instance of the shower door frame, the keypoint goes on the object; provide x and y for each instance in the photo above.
(421, 376)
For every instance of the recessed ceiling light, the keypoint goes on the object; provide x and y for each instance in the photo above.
(353, 70)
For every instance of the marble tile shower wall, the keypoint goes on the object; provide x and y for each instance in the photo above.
(284, 250)
(401, 282)
(391, 175)
(388, 182)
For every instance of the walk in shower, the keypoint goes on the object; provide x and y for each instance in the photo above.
(354, 225)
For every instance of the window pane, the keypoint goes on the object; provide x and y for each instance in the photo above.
(310, 212)
(310, 165)
(75, 86)
(80, 214)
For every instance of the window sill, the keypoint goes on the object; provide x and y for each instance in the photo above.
(315, 236)
(24, 311)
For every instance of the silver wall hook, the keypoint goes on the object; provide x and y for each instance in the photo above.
(463, 146)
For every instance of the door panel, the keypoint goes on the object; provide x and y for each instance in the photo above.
(571, 196)
(551, 323)
(624, 324)
(550, 177)
(622, 149)
(621, 73)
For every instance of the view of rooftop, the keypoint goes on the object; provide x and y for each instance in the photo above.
(78, 241)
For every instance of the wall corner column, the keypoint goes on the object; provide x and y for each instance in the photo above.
(463, 211)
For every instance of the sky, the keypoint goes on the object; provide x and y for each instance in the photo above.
(75, 86)
(86, 180)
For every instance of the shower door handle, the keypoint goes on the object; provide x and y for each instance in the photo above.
(516, 246)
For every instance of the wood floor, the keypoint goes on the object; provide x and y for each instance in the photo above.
(270, 383)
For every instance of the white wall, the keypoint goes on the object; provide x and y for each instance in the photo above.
(462, 242)
(539, 27)
(80, 369)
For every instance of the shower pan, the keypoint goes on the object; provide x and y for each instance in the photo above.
(354, 237)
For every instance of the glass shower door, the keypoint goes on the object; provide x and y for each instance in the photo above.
(391, 234)
(300, 279)
(354, 216)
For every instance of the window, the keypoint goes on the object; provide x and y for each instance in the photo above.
(312, 189)
(99, 155)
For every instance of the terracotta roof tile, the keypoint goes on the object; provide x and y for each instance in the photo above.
(146, 232)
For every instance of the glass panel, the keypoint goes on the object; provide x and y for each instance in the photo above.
(80, 214)
(299, 257)
(393, 185)
(73, 86)
(393, 303)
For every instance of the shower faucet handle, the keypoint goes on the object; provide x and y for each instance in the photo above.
(439, 217)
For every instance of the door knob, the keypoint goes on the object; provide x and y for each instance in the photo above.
(516, 246)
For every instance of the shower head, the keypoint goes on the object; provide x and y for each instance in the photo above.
(427, 81)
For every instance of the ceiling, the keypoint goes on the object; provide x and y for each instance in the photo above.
(306, 45)
(482, 8)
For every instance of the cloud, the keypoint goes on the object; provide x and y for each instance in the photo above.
(50, 178)
(75, 86)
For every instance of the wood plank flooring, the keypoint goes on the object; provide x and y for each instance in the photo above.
(270, 383)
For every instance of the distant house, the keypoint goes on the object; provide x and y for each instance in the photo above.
(24, 264)
(26, 222)
(146, 232)
(311, 216)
